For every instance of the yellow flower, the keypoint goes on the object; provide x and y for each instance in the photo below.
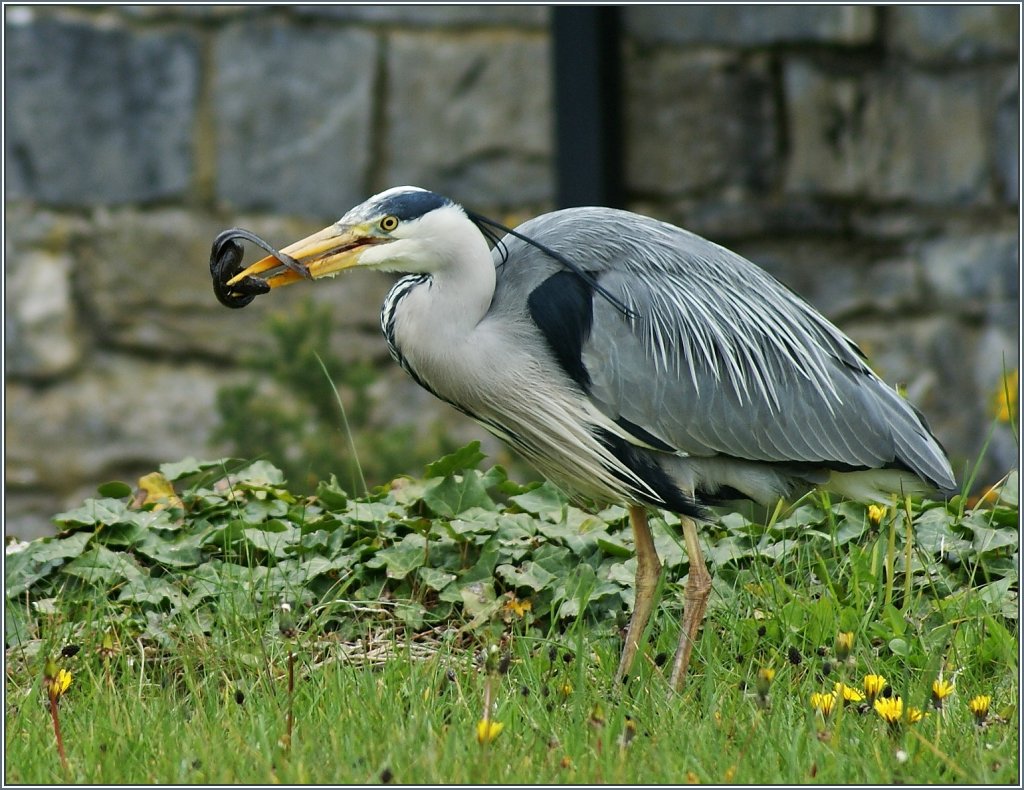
(1004, 399)
(876, 513)
(487, 730)
(765, 676)
(890, 709)
(979, 707)
(940, 690)
(518, 607)
(566, 689)
(844, 644)
(873, 685)
(848, 693)
(914, 715)
(55, 681)
(823, 703)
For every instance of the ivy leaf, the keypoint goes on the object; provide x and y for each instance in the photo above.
(529, 575)
(403, 558)
(331, 494)
(274, 538)
(544, 501)
(147, 590)
(115, 489)
(190, 466)
(463, 459)
(102, 566)
(452, 496)
(434, 578)
(93, 513)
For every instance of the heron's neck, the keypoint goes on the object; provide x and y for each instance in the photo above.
(434, 318)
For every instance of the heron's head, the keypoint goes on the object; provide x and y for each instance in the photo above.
(404, 229)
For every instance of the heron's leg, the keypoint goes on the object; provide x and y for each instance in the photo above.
(695, 595)
(647, 569)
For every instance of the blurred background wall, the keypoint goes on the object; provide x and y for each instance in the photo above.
(868, 157)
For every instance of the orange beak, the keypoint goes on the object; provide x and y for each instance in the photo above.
(325, 253)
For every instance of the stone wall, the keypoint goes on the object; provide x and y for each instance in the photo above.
(869, 157)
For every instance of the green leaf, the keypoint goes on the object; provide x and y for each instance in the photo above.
(545, 501)
(529, 575)
(190, 466)
(49, 549)
(114, 489)
(403, 558)
(148, 591)
(614, 548)
(185, 554)
(331, 494)
(463, 459)
(93, 513)
(434, 578)
(900, 647)
(275, 542)
(262, 473)
(102, 566)
(986, 539)
(452, 495)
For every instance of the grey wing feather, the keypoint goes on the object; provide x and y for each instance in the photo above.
(721, 359)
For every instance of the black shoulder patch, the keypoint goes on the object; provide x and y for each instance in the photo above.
(413, 204)
(562, 307)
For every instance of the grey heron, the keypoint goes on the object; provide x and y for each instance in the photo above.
(629, 361)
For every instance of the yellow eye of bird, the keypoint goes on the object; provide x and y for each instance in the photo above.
(389, 223)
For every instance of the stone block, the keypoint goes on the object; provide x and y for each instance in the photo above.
(895, 134)
(145, 283)
(967, 273)
(42, 335)
(840, 278)
(443, 16)
(1007, 141)
(750, 25)
(954, 32)
(97, 115)
(293, 110)
(115, 413)
(698, 121)
(470, 117)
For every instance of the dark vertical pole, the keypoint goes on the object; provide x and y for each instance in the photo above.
(587, 105)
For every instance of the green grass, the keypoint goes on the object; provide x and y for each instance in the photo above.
(183, 721)
(396, 594)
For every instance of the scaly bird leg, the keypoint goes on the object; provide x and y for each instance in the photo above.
(695, 595)
(647, 569)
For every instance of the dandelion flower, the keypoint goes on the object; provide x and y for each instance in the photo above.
(518, 607)
(979, 707)
(823, 703)
(940, 690)
(1004, 399)
(848, 693)
(765, 676)
(890, 709)
(844, 644)
(876, 513)
(914, 715)
(873, 685)
(60, 684)
(56, 681)
(487, 730)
